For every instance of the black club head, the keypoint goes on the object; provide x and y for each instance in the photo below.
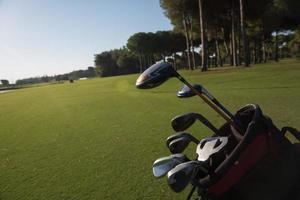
(155, 75)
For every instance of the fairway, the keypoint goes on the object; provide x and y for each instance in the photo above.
(98, 138)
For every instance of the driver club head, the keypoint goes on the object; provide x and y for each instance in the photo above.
(183, 174)
(186, 92)
(163, 165)
(179, 144)
(155, 75)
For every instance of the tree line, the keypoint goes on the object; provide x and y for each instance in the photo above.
(206, 33)
(243, 31)
(74, 75)
(4, 82)
(234, 32)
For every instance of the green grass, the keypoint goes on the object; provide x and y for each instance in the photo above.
(97, 139)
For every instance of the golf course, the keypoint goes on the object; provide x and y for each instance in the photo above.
(98, 138)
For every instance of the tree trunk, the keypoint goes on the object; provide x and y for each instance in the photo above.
(146, 62)
(231, 51)
(238, 53)
(238, 49)
(218, 52)
(264, 56)
(276, 47)
(244, 36)
(187, 41)
(255, 51)
(192, 45)
(225, 43)
(259, 50)
(141, 64)
(219, 58)
(233, 36)
(253, 56)
(203, 39)
(174, 61)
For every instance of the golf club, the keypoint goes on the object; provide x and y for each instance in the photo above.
(181, 175)
(186, 92)
(180, 144)
(183, 122)
(163, 165)
(178, 135)
(161, 72)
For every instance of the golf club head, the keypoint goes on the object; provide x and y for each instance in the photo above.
(183, 122)
(155, 75)
(186, 92)
(180, 144)
(163, 165)
(178, 135)
(180, 176)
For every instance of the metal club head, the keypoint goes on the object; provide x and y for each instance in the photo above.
(180, 176)
(163, 165)
(155, 75)
(183, 122)
(179, 144)
(178, 135)
(186, 92)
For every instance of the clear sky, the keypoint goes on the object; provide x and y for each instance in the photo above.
(47, 37)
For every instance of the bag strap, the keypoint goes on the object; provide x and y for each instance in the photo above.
(292, 130)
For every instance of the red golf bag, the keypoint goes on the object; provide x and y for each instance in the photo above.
(262, 165)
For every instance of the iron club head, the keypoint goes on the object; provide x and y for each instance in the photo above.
(178, 135)
(179, 144)
(163, 165)
(183, 122)
(180, 176)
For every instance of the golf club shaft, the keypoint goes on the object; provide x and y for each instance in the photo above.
(211, 104)
(205, 99)
(207, 123)
(191, 193)
(215, 101)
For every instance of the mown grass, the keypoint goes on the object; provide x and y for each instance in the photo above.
(97, 139)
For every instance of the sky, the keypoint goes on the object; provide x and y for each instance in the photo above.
(48, 37)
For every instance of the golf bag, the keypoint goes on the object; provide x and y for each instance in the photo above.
(262, 165)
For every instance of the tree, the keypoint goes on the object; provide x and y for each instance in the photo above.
(150, 47)
(105, 64)
(4, 82)
(244, 36)
(203, 38)
(127, 63)
(180, 12)
(116, 62)
(90, 72)
(141, 45)
(294, 44)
